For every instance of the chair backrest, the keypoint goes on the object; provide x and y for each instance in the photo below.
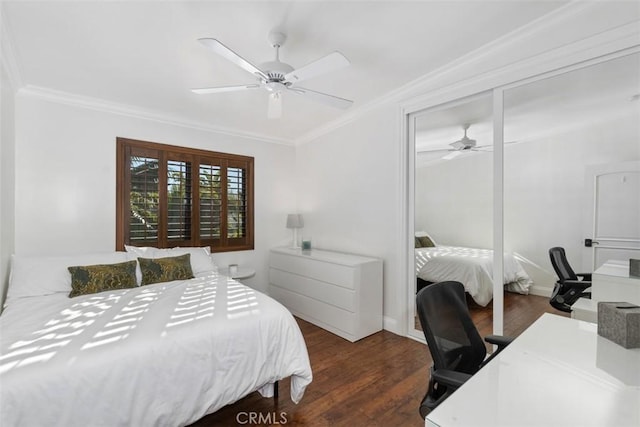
(453, 340)
(561, 265)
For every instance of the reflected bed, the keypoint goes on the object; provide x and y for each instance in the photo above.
(472, 267)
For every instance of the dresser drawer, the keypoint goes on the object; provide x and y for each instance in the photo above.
(329, 293)
(332, 318)
(336, 274)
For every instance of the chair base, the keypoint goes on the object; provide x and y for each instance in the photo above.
(563, 299)
(436, 394)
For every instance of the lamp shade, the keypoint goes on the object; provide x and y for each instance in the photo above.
(295, 221)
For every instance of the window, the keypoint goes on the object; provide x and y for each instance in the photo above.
(169, 196)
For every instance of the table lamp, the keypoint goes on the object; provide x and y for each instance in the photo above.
(295, 221)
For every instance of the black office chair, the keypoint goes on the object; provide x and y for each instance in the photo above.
(456, 347)
(570, 286)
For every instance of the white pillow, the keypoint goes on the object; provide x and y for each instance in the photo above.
(44, 275)
(201, 261)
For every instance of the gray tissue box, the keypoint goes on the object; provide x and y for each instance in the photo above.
(634, 267)
(620, 323)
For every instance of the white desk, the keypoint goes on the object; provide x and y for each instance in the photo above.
(558, 372)
(610, 282)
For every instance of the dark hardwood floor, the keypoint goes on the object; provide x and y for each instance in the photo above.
(377, 381)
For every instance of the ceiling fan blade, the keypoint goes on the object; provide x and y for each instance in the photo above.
(227, 53)
(331, 62)
(436, 150)
(452, 155)
(489, 147)
(324, 98)
(274, 110)
(220, 89)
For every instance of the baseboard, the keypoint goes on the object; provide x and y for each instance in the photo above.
(391, 325)
(542, 291)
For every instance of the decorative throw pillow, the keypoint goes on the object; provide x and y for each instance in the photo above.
(156, 270)
(91, 279)
(425, 242)
(202, 263)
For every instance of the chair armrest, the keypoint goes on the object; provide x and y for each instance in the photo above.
(499, 340)
(450, 378)
(583, 284)
(585, 276)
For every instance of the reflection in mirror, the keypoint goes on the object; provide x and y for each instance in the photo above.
(453, 197)
(571, 173)
(566, 138)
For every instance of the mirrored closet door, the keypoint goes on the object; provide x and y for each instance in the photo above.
(564, 136)
(453, 195)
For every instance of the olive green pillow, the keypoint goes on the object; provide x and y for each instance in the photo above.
(424, 242)
(156, 270)
(91, 279)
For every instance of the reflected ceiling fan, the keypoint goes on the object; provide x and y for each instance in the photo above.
(464, 144)
(277, 77)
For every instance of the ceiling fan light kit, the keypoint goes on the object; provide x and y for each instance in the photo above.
(465, 143)
(277, 77)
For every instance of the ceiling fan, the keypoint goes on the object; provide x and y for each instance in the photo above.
(277, 77)
(464, 144)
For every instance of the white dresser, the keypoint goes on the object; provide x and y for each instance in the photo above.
(339, 292)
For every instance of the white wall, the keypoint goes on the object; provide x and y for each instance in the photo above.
(544, 193)
(545, 190)
(65, 179)
(7, 170)
(454, 201)
(347, 192)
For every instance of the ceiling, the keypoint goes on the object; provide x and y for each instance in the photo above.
(145, 55)
(561, 102)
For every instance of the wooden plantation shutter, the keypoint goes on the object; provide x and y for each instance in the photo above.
(236, 200)
(210, 202)
(179, 199)
(171, 196)
(141, 194)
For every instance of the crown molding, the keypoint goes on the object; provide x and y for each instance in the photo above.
(618, 38)
(102, 105)
(8, 59)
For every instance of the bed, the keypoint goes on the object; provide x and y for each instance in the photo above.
(470, 266)
(162, 354)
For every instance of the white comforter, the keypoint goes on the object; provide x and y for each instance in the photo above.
(471, 267)
(157, 355)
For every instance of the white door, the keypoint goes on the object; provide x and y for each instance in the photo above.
(612, 225)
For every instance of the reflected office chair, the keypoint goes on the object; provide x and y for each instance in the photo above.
(570, 286)
(455, 345)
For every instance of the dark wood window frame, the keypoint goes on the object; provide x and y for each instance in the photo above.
(235, 175)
